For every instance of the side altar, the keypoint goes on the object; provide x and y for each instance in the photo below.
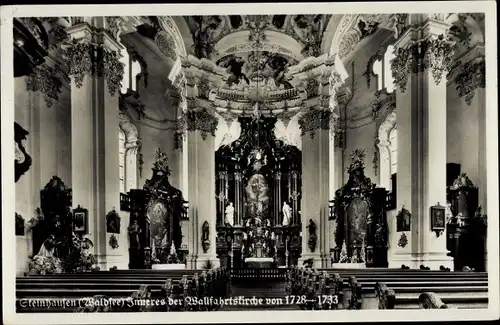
(156, 213)
(258, 198)
(359, 213)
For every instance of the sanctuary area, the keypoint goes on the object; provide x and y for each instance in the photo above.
(252, 155)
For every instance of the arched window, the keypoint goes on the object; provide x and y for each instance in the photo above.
(382, 68)
(128, 147)
(388, 148)
(121, 161)
(393, 147)
(131, 70)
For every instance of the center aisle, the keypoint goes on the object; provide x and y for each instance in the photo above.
(271, 293)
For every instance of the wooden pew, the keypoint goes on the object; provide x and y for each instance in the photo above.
(207, 287)
(319, 290)
(386, 297)
(356, 299)
(211, 283)
(430, 300)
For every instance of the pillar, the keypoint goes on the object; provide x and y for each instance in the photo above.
(420, 69)
(201, 127)
(238, 198)
(93, 65)
(315, 184)
(277, 198)
(221, 196)
(470, 82)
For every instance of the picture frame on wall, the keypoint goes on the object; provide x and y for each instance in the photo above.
(80, 220)
(438, 219)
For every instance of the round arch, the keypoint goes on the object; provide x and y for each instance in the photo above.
(132, 144)
(384, 146)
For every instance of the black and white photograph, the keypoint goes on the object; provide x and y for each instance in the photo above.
(302, 161)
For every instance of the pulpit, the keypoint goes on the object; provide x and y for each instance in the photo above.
(466, 229)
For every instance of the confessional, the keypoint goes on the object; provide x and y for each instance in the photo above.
(54, 217)
(257, 173)
(360, 211)
(466, 230)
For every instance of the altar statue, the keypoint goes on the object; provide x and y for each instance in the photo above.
(286, 214)
(44, 262)
(230, 214)
(134, 230)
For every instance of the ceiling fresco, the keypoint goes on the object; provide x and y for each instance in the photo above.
(307, 30)
(257, 66)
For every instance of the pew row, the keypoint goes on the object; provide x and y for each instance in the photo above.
(172, 290)
(391, 289)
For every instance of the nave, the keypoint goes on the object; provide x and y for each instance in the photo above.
(250, 289)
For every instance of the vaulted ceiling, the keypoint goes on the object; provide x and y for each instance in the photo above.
(252, 49)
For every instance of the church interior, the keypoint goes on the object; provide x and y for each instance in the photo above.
(328, 155)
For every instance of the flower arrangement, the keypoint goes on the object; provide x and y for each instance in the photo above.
(113, 242)
(79, 258)
(462, 181)
(44, 265)
(343, 254)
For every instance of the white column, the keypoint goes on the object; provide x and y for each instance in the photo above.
(421, 114)
(315, 193)
(202, 204)
(95, 122)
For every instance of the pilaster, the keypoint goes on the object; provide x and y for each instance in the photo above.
(92, 57)
(201, 127)
(420, 69)
(316, 143)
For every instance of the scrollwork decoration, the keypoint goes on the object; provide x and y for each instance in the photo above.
(401, 67)
(439, 56)
(471, 77)
(80, 60)
(434, 54)
(44, 79)
(200, 120)
(369, 73)
(83, 58)
(112, 70)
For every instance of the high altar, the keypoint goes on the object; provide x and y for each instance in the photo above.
(256, 174)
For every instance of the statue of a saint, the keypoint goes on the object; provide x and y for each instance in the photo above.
(286, 214)
(134, 230)
(205, 231)
(230, 214)
(45, 261)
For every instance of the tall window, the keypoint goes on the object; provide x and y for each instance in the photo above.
(393, 138)
(131, 70)
(382, 68)
(121, 161)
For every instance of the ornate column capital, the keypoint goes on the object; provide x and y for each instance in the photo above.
(313, 120)
(45, 79)
(83, 57)
(198, 120)
(433, 52)
(470, 77)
